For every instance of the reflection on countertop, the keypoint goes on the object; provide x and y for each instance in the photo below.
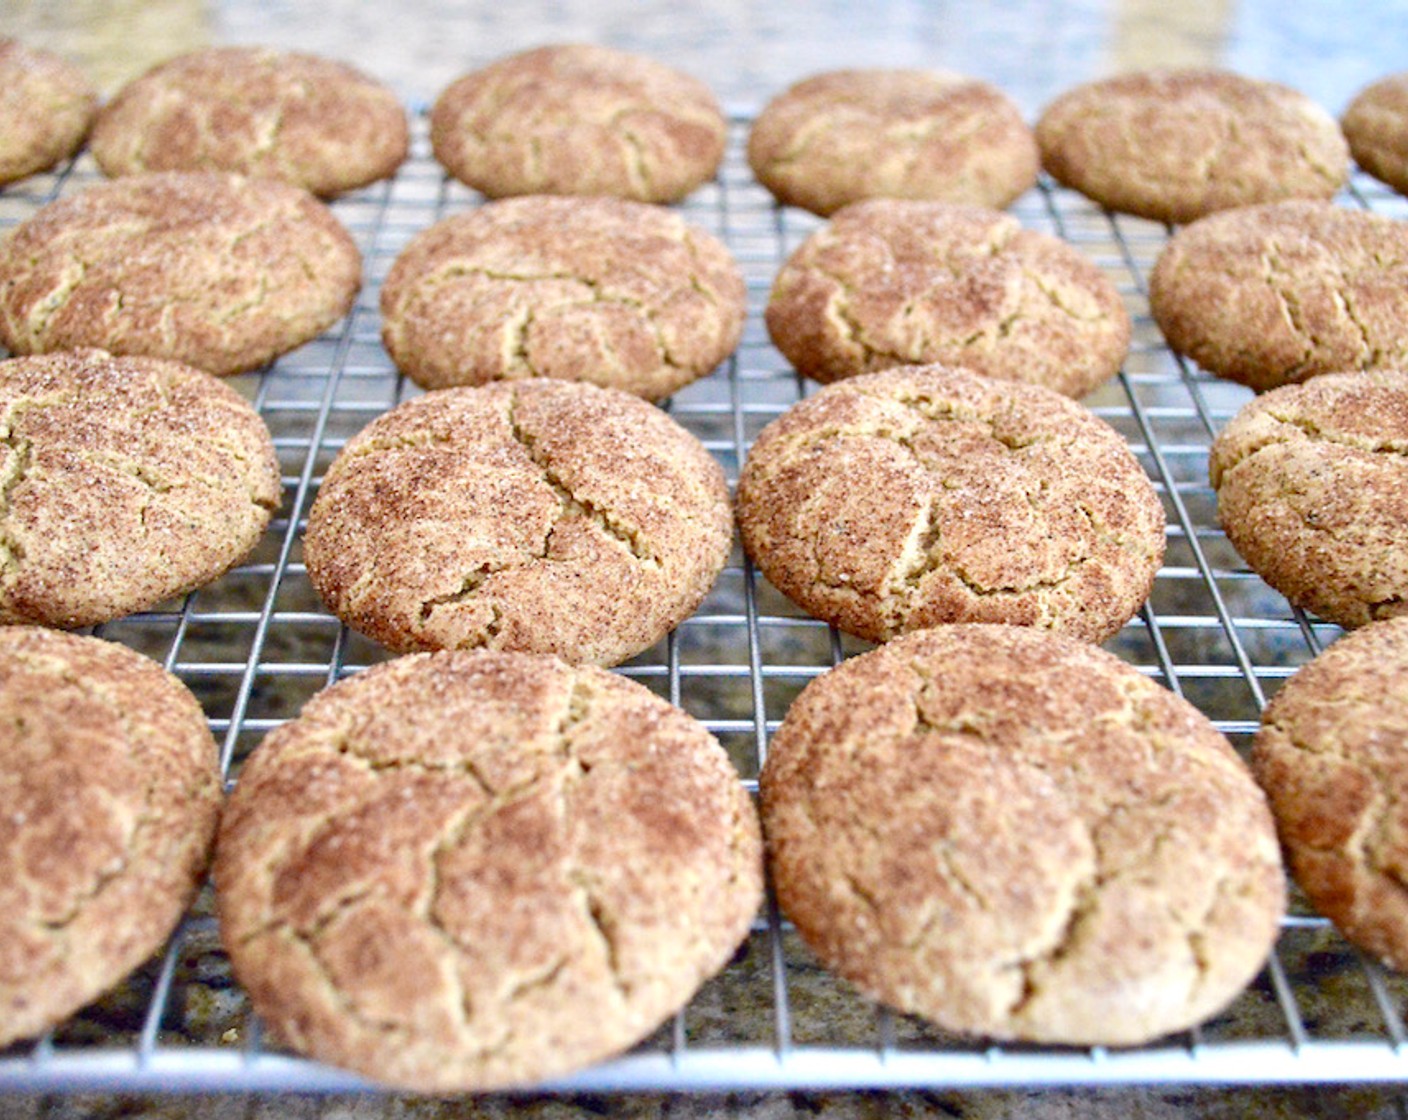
(749, 49)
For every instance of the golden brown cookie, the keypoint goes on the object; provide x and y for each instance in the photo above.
(1268, 295)
(1312, 489)
(123, 482)
(110, 783)
(46, 105)
(1174, 145)
(1330, 756)
(218, 271)
(847, 135)
(585, 289)
(543, 516)
(468, 870)
(578, 119)
(1376, 125)
(284, 115)
(1020, 836)
(890, 282)
(924, 495)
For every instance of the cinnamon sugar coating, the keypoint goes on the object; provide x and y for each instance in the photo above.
(286, 115)
(123, 482)
(543, 516)
(582, 120)
(110, 783)
(471, 870)
(891, 282)
(1019, 836)
(218, 271)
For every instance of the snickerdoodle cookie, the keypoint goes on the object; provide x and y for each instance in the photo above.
(890, 282)
(1174, 145)
(847, 135)
(1376, 125)
(223, 272)
(1331, 756)
(1020, 836)
(46, 105)
(923, 495)
(123, 482)
(285, 115)
(1312, 489)
(468, 870)
(1268, 295)
(586, 289)
(544, 516)
(579, 119)
(111, 786)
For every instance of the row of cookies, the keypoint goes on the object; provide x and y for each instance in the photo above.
(557, 120)
(577, 119)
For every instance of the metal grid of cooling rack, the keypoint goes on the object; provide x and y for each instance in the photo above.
(257, 643)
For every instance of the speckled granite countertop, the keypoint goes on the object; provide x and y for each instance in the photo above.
(746, 50)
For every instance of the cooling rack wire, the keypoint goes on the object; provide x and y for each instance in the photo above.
(257, 644)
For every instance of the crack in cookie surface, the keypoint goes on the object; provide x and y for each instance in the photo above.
(1031, 839)
(923, 495)
(538, 515)
(127, 481)
(603, 862)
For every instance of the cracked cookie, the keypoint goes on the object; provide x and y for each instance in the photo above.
(110, 783)
(285, 115)
(123, 482)
(45, 109)
(1330, 757)
(603, 290)
(1275, 294)
(1174, 145)
(46, 106)
(577, 119)
(219, 271)
(1376, 125)
(542, 516)
(847, 135)
(470, 870)
(1019, 836)
(1312, 490)
(892, 282)
(924, 495)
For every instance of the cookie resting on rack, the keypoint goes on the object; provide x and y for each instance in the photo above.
(1275, 294)
(219, 271)
(473, 870)
(1312, 490)
(1175, 145)
(1020, 836)
(542, 516)
(892, 282)
(579, 119)
(46, 105)
(1330, 756)
(126, 482)
(286, 115)
(110, 782)
(846, 135)
(617, 293)
(924, 495)
(1376, 125)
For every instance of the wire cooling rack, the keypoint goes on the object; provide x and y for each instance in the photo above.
(257, 644)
